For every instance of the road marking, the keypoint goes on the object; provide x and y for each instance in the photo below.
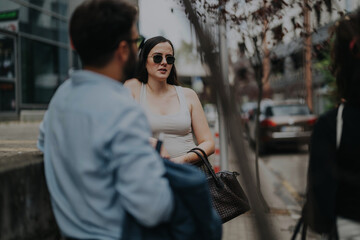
(279, 211)
(286, 184)
(291, 190)
(17, 141)
(18, 149)
(294, 211)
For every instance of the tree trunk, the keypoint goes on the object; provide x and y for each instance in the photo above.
(308, 47)
(266, 65)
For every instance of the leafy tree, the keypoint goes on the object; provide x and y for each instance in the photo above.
(329, 80)
(253, 19)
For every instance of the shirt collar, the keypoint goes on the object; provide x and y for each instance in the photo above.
(89, 76)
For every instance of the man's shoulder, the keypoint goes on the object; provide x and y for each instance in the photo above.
(95, 98)
(326, 122)
(328, 117)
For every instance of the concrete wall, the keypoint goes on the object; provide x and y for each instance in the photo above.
(25, 210)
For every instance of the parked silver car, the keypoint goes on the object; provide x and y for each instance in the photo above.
(285, 122)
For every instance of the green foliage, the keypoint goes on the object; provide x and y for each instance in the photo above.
(330, 84)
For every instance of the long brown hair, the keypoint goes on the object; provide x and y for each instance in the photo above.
(345, 55)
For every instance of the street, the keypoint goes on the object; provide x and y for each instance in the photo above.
(282, 177)
(290, 165)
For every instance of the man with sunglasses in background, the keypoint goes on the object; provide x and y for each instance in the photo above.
(99, 164)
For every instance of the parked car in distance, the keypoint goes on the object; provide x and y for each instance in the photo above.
(246, 110)
(211, 114)
(283, 122)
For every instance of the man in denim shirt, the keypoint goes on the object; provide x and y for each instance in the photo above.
(99, 163)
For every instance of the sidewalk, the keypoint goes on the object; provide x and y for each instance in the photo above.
(24, 203)
(17, 139)
(284, 210)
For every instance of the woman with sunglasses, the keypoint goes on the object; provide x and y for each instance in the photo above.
(174, 112)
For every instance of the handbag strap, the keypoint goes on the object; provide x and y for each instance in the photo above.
(204, 158)
(203, 152)
(158, 146)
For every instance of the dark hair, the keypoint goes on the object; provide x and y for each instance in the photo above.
(345, 54)
(142, 73)
(98, 26)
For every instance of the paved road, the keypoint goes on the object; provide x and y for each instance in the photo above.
(290, 165)
(284, 209)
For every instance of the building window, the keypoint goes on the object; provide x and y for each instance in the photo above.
(56, 6)
(41, 75)
(298, 59)
(42, 25)
(277, 65)
(7, 96)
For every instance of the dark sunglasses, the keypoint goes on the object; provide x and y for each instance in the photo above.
(159, 58)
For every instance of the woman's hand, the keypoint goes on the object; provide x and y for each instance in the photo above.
(190, 158)
(163, 152)
(180, 159)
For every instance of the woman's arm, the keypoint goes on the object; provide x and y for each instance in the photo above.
(200, 128)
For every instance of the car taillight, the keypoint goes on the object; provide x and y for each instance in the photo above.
(267, 123)
(311, 121)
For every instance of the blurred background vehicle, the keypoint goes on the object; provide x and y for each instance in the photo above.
(281, 123)
(211, 114)
(246, 110)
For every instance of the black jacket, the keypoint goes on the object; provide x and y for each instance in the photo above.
(334, 174)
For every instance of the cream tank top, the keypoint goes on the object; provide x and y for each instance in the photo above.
(176, 128)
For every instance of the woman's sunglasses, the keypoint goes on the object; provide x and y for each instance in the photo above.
(159, 58)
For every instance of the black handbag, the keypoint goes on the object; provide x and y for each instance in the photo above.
(228, 197)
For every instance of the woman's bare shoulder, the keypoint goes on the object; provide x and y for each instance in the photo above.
(132, 83)
(190, 93)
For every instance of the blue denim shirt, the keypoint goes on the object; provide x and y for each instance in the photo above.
(98, 160)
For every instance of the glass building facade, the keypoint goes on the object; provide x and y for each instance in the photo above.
(35, 54)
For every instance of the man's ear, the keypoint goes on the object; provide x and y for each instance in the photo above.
(122, 52)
